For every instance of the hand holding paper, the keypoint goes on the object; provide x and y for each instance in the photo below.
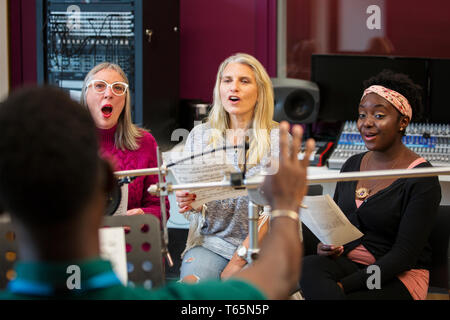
(327, 221)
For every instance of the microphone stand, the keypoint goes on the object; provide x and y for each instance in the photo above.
(127, 176)
(162, 194)
(237, 179)
(253, 216)
(256, 182)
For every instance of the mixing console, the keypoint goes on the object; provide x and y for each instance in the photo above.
(430, 141)
(320, 153)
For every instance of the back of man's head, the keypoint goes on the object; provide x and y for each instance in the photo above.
(49, 162)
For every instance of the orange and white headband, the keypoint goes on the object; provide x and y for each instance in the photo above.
(397, 100)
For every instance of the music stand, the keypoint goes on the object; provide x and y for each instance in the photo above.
(8, 252)
(143, 245)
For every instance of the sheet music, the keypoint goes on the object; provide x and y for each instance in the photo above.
(327, 221)
(112, 248)
(207, 169)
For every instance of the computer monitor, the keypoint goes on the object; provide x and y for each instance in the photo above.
(439, 86)
(340, 79)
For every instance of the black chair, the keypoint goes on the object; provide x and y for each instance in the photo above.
(143, 243)
(439, 241)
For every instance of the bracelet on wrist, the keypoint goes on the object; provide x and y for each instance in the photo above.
(285, 213)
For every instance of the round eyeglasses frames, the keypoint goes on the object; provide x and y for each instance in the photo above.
(100, 86)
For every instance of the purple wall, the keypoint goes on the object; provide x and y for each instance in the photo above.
(210, 31)
(22, 19)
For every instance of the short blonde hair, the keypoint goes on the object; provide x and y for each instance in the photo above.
(262, 122)
(127, 133)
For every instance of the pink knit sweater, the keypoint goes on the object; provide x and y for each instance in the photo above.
(142, 158)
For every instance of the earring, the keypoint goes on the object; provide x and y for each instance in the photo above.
(401, 129)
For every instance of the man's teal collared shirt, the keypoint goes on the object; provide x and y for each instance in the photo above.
(38, 280)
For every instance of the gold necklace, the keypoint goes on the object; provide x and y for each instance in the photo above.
(362, 193)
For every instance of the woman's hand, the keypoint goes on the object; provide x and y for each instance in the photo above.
(329, 250)
(135, 211)
(234, 266)
(237, 263)
(184, 200)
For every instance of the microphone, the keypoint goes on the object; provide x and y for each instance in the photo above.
(113, 199)
(246, 147)
(126, 180)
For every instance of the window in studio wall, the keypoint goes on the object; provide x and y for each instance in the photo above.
(412, 28)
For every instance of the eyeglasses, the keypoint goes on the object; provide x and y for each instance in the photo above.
(118, 88)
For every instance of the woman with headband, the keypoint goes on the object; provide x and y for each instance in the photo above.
(392, 259)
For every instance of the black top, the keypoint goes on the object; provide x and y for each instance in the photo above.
(396, 223)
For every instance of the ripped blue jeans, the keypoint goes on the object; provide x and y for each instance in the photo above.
(202, 263)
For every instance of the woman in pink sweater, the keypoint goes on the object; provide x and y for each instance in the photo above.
(105, 94)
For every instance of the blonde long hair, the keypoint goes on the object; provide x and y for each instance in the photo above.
(127, 134)
(262, 122)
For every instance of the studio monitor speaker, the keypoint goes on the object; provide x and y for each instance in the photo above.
(296, 101)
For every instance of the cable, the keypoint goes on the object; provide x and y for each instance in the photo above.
(246, 147)
(224, 148)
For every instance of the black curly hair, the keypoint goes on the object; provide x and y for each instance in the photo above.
(49, 163)
(402, 84)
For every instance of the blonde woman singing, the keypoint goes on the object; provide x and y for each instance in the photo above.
(243, 105)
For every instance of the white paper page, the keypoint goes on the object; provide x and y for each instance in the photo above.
(112, 248)
(207, 169)
(326, 220)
